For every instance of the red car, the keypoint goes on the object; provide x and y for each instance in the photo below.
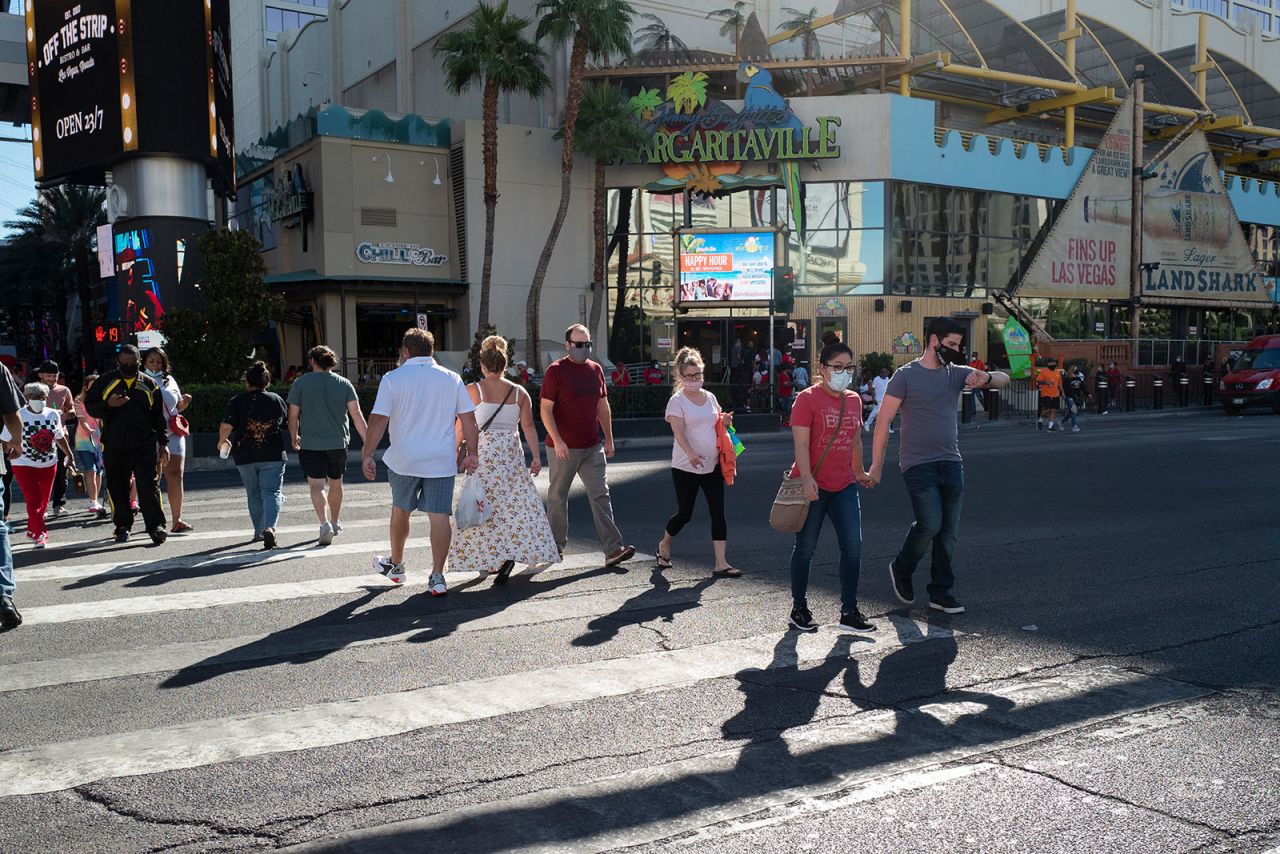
(1254, 380)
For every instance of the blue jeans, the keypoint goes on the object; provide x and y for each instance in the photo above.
(937, 494)
(263, 483)
(846, 517)
(6, 555)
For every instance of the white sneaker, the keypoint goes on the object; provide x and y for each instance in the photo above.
(326, 534)
(93, 507)
(393, 571)
(1075, 429)
(60, 510)
(337, 527)
(437, 585)
(42, 541)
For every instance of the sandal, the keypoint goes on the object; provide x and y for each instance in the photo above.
(728, 572)
(180, 528)
(664, 561)
(504, 572)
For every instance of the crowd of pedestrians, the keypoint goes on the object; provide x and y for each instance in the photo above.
(126, 424)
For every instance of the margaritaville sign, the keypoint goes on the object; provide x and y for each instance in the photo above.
(742, 137)
(703, 144)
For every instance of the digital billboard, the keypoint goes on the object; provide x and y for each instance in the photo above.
(726, 266)
(157, 268)
(73, 63)
(113, 77)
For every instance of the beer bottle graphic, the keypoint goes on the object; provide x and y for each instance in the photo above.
(1168, 215)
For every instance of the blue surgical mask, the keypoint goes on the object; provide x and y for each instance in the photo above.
(839, 382)
(155, 375)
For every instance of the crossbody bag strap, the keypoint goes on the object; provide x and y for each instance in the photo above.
(832, 440)
(505, 400)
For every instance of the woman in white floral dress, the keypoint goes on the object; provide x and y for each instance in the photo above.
(517, 530)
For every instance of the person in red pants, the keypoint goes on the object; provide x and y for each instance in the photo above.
(35, 469)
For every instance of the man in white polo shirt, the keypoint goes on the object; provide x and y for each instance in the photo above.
(421, 401)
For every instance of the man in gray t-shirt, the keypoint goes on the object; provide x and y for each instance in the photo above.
(927, 392)
(319, 403)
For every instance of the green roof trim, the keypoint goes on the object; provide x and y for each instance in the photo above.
(304, 276)
(343, 123)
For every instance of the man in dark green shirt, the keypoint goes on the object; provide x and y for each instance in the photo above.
(319, 403)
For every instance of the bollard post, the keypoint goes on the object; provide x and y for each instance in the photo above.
(1184, 390)
(1102, 396)
(1208, 389)
(1130, 392)
(993, 404)
(1157, 393)
(966, 406)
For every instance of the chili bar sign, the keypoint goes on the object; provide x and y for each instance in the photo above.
(400, 253)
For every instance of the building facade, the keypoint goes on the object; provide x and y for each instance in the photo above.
(960, 139)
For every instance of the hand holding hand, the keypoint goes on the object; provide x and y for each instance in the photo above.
(865, 480)
(811, 488)
(470, 463)
(369, 467)
(536, 468)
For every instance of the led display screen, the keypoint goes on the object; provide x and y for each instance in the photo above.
(726, 266)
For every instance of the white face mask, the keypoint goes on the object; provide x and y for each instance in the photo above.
(37, 406)
(692, 385)
(839, 382)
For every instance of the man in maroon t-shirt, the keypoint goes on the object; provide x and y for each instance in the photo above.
(575, 411)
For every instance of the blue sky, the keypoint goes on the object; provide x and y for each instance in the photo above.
(17, 176)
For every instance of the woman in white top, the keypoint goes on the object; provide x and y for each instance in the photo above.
(42, 437)
(156, 364)
(517, 529)
(695, 459)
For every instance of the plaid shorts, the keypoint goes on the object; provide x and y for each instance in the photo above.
(428, 494)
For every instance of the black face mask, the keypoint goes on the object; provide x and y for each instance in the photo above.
(129, 371)
(949, 355)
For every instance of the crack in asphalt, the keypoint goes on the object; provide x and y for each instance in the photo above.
(1222, 833)
(221, 831)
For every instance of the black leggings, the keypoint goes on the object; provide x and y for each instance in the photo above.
(687, 486)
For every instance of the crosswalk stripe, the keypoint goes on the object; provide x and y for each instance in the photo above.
(826, 768)
(102, 534)
(197, 599)
(58, 766)
(249, 557)
(93, 667)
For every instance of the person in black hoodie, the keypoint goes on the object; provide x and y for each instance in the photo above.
(135, 440)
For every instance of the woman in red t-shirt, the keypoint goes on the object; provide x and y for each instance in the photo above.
(826, 425)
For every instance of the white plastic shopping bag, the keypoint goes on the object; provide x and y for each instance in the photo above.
(473, 505)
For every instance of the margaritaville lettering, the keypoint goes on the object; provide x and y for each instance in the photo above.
(744, 144)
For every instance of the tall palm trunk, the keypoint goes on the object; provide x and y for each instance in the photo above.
(597, 266)
(622, 236)
(84, 268)
(489, 150)
(573, 98)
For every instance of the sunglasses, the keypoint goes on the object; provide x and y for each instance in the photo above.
(581, 345)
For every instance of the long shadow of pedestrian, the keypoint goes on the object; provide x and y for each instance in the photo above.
(152, 573)
(342, 627)
(657, 602)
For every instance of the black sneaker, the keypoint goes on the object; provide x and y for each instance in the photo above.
(268, 540)
(158, 535)
(947, 605)
(122, 535)
(504, 572)
(802, 620)
(902, 586)
(10, 617)
(854, 621)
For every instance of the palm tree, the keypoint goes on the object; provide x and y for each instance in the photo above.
(608, 134)
(595, 28)
(492, 51)
(657, 36)
(801, 26)
(732, 21)
(53, 245)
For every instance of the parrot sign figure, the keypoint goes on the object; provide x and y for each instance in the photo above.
(761, 98)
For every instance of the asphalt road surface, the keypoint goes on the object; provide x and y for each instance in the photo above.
(1112, 688)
